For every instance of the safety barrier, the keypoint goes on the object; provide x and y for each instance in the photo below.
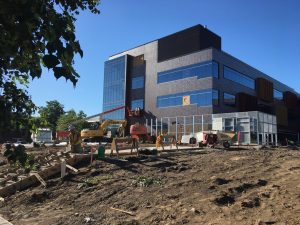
(126, 144)
(166, 140)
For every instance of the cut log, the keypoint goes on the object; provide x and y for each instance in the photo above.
(72, 168)
(40, 179)
(45, 174)
(123, 211)
(4, 221)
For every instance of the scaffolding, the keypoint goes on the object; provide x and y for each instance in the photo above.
(254, 127)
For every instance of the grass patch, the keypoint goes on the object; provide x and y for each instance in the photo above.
(96, 180)
(144, 181)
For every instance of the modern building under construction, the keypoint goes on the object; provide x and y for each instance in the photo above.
(188, 74)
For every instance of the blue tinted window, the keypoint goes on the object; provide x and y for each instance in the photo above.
(137, 82)
(229, 99)
(215, 69)
(139, 103)
(237, 77)
(201, 98)
(114, 87)
(277, 94)
(200, 70)
(215, 97)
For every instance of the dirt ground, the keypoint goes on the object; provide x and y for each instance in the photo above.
(186, 187)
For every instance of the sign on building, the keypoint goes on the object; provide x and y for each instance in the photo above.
(186, 100)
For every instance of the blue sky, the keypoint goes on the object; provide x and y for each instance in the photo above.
(263, 33)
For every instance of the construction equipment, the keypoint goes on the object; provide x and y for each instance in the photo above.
(97, 130)
(213, 138)
(137, 112)
(139, 132)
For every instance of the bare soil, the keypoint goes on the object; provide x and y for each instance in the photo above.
(187, 187)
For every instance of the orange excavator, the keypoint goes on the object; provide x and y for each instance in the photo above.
(139, 131)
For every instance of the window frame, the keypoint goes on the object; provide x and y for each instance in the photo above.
(242, 74)
(276, 90)
(177, 102)
(228, 104)
(139, 87)
(114, 86)
(218, 95)
(187, 67)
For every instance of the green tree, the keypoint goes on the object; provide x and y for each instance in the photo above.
(35, 34)
(51, 113)
(71, 117)
(16, 108)
(81, 114)
(37, 122)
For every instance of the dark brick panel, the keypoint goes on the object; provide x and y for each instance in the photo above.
(187, 41)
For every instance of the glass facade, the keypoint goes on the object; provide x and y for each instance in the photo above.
(139, 103)
(229, 124)
(215, 96)
(114, 87)
(229, 99)
(200, 98)
(200, 70)
(237, 77)
(277, 94)
(254, 127)
(137, 82)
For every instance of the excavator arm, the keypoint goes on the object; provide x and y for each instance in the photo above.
(106, 123)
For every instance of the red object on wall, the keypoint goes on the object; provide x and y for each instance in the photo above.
(138, 112)
(62, 135)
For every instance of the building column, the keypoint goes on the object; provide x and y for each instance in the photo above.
(272, 139)
(176, 129)
(184, 125)
(257, 124)
(156, 126)
(194, 126)
(151, 124)
(234, 122)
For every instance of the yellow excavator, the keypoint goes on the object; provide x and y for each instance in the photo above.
(98, 130)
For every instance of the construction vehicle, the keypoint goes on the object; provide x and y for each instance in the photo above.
(97, 130)
(213, 138)
(139, 132)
